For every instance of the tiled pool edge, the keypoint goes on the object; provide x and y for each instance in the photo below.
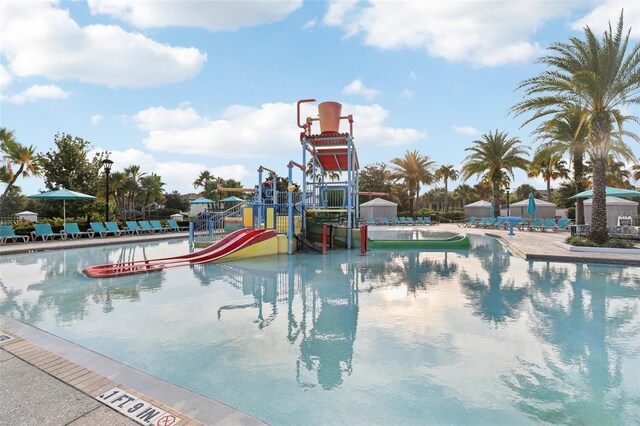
(92, 374)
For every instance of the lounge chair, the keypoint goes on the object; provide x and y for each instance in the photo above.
(469, 222)
(395, 221)
(44, 231)
(132, 227)
(549, 223)
(427, 221)
(115, 229)
(402, 220)
(384, 221)
(500, 222)
(371, 221)
(72, 230)
(480, 222)
(489, 223)
(7, 233)
(146, 226)
(99, 229)
(156, 225)
(536, 223)
(562, 225)
(173, 225)
(410, 221)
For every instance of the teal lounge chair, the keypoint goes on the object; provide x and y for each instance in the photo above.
(115, 229)
(384, 221)
(469, 222)
(72, 230)
(549, 223)
(99, 229)
(410, 221)
(489, 223)
(44, 231)
(132, 226)
(395, 221)
(562, 225)
(146, 226)
(427, 221)
(536, 223)
(481, 222)
(371, 221)
(420, 220)
(173, 225)
(500, 222)
(7, 233)
(156, 225)
(402, 220)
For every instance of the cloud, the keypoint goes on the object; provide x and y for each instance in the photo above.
(56, 47)
(211, 15)
(609, 12)
(356, 87)
(310, 24)
(406, 94)
(178, 175)
(95, 119)
(256, 132)
(37, 93)
(466, 130)
(5, 77)
(483, 33)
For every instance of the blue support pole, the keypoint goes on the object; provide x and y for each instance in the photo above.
(191, 232)
(290, 213)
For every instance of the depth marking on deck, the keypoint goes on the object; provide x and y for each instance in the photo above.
(4, 337)
(137, 409)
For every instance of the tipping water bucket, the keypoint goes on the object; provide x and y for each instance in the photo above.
(329, 116)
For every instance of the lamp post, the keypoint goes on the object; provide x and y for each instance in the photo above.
(106, 163)
(508, 212)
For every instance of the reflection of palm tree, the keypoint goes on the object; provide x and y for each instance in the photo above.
(588, 337)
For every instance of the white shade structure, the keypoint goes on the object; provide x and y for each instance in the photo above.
(616, 207)
(478, 209)
(378, 208)
(544, 209)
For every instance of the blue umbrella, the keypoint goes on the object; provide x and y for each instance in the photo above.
(531, 209)
(610, 192)
(64, 195)
(491, 210)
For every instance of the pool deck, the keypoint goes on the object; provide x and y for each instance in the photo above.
(48, 380)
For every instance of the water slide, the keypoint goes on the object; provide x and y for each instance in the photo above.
(230, 244)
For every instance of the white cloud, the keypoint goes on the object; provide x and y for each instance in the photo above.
(249, 132)
(178, 175)
(310, 24)
(609, 12)
(466, 130)
(37, 93)
(483, 33)
(211, 15)
(55, 46)
(357, 87)
(95, 119)
(406, 94)
(5, 77)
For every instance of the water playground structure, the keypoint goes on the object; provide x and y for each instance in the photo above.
(317, 216)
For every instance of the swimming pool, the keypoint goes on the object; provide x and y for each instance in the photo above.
(470, 336)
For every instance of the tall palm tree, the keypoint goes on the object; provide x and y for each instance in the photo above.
(204, 178)
(414, 169)
(464, 192)
(550, 166)
(446, 173)
(18, 160)
(617, 174)
(494, 157)
(152, 190)
(600, 77)
(321, 174)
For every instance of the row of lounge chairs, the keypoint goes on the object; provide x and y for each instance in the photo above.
(71, 230)
(400, 221)
(537, 224)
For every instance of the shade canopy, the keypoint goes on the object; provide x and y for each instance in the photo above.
(64, 195)
(202, 200)
(610, 192)
(379, 202)
(231, 199)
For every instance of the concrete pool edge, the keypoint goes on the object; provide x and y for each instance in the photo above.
(167, 395)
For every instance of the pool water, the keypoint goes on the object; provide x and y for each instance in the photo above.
(471, 336)
(408, 234)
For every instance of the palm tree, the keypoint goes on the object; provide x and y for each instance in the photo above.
(464, 192)
(550, 166)
(445, 173)
(321, 174)
(636, 171)
(19, 160)
(617, 174)
(494, 157)
(414, 169)
(599, 77)
(203, 179)
(152, 190)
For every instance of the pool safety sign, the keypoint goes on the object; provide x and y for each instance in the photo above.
(137, 409)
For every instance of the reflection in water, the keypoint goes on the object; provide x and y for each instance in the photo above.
(566, 335)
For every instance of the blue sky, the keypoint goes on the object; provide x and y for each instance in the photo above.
(183, 86)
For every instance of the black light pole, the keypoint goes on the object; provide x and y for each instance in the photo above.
(508, 212)
(106, 163)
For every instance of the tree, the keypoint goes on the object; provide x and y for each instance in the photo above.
(522, 192)
(321, 174)
(413, 169)
(550, 166)
(464, 192)
(600, 77)
(494, 158)
(374, 178)
(175, 201)
(68, 166)
(18, 160)
(207, 181)
(446, 173)
(152, 191)
(617, 174)
(636, 171)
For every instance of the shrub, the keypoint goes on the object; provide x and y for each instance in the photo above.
(579, 241)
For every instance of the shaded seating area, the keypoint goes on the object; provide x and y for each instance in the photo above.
(45, 232)
(7, 233)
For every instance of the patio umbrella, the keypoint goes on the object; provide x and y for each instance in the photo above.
(231, 199)
(202, 200)
(491, 209)
(531, 208)
(64, 195)
(610, 192)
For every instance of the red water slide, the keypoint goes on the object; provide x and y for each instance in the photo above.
(230, 244)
